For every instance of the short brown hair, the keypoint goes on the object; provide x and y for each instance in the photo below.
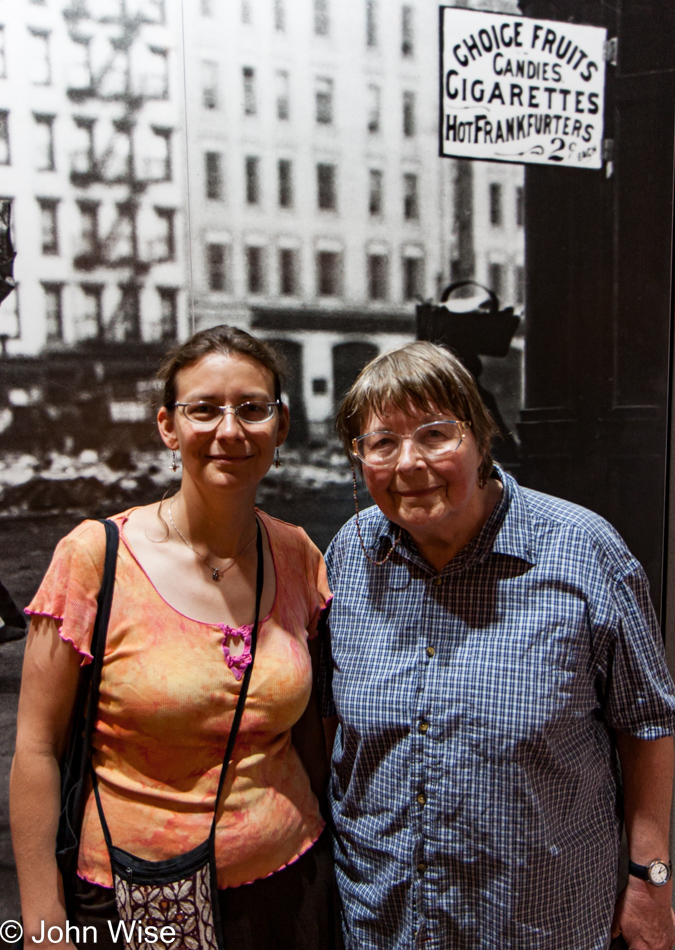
(221, 339)
(417, 376)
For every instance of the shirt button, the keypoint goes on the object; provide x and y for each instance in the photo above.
(423, 726)
(421, 867)
(430, 651)
(438, 581)
(422, 798)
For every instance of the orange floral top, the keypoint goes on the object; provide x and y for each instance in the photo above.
(169, 688)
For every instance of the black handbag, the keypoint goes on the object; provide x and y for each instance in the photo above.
(75, 761)
(174, 902)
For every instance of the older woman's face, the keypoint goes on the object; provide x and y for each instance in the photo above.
(426, 497)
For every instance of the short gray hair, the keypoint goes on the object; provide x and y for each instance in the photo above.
(419, 376)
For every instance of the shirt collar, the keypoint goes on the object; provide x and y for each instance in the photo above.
(507, 531)
(514, 537)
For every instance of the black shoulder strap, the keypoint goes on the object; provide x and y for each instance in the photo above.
(74, 764)
(105, 596)
(260, 576)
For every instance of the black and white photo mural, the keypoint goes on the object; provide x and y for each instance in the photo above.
(170, 165)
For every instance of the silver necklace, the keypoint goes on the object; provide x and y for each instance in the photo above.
(216, 572)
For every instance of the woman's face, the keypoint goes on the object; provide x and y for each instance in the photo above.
(426, 497)
(232, 455)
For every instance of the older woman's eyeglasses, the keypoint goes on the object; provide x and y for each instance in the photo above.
(432, 440)
(208, 415)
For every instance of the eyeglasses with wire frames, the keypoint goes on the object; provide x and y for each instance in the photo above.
(433, 440)
(207, 415)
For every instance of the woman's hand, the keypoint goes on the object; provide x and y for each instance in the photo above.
(49, 680)
(643, 916)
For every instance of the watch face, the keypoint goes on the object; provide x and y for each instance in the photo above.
(659, 873)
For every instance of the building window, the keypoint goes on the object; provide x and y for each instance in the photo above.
(496, 278)
(288, 272)
(255, 269)
(496, 211)
(49, 225)
(407, 38)
(520, 284)
(89, 239)
(408, 114)
(285, 170)
(128, 313)
(374, 192)
(371, 22)
(413, 278)
(168, 313)
(378, 267)
(321, 18)
(279, 16)
(217, 266)
(210, 98)
(214, 175)
(84, 153)
(3, 56)
(252, 166)
(324, 101)
(119, 153)
(90, 319)
(158, 164)
(53, 312)
(44, 145)
(165, 245)
(520, 207)
(411, 209)
(4, 138)
(328, 273)
(250, 104)
(246, 12)
(123, 238)
(374, 108)
(283, 97)
(326, 191)
(39, 59)
(80, 73)
(154, 77)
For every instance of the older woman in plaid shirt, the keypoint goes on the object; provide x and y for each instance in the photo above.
(492, 649)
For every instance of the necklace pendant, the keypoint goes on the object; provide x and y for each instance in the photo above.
(215, 573)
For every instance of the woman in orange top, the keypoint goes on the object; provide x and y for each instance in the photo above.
(176, 650)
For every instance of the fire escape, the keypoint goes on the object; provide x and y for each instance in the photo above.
(115, 71)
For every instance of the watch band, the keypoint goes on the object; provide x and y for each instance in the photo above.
(653, 872)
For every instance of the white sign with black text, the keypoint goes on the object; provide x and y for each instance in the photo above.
(515, 89)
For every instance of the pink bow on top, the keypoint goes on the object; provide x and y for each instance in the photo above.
(237, 663)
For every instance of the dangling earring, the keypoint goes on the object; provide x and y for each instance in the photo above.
(174, 461)
(278, 462)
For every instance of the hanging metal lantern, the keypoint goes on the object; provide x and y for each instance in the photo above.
(485, 330)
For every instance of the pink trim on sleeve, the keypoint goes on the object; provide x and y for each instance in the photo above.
(86, 657)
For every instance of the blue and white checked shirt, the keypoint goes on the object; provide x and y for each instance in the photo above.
(474, 786)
